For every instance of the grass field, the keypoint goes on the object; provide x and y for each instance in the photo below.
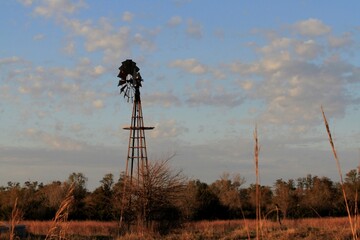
(311, 229)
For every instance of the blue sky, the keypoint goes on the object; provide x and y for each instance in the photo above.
(212, 71)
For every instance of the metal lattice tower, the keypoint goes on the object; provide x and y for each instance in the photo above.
(137, 144)
(130, 83)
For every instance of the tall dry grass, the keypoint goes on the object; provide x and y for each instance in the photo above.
(15, 219)
(257, 190)
(58, 229)
(294, 229)
(352, 225)
(74, 228)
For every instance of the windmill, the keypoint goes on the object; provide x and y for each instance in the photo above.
(130, 83)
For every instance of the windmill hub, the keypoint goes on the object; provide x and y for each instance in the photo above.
(130, 80)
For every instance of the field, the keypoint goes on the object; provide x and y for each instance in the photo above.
(310, 229)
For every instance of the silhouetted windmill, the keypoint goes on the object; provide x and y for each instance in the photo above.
(130, 83)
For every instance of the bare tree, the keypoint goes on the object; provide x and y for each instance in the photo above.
(155, 196)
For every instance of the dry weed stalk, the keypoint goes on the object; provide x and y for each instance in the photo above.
(353, 228)
(57, 230)
(15, 219)
(257, 193)
(245, 223)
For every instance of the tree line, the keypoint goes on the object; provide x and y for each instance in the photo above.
(167, 197)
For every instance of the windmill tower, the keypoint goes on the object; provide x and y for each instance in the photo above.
(130, 83)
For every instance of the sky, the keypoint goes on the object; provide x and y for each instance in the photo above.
(213, 72)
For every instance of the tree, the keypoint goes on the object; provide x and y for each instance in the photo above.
(79, 180)
(52, 193)
(188, 201)
(265, 198)
(320, 198)
(7, 199)
(207, 205)
(99, 203)
(32, 201)
(155, 195)
(352, 188)
(285, 196)
(228, 192)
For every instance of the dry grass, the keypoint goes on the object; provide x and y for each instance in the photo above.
(58, 229)
(257, 194)
(15, 219)
(352, 225)
(310, 229)
(83, 228)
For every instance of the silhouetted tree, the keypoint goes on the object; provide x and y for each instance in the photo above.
(207, 204)
(319, 198)
(265, 198)
(285, 197)
(228, 192)
(99, 203)
(154, 196)
(78, 210)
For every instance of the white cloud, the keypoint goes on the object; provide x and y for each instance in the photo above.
(247, 85)
(175, 21)
(99, 69)
(194, 29)
(167, 129)
(67, 89)
(217, 96)
(275, 46)
(58, 7)
(5, 92)
(311, 27)
(338, 42)
(114, 43)
(98, 104)
(10, 60)
(77, 127)
(23, 90)
(294, 92)
(165, 99)
(218, 74)
(190, 65)
(144, 42)
(292, 78)
(54, 141)
(127, 16)
(26, 2)
(38, 37)
(70, 47)
(308, 49)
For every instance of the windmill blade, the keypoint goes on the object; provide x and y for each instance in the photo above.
(122, 88)
(130, 79)
(121, 82)
(138, 77)
(127, 92)
(122, 74)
